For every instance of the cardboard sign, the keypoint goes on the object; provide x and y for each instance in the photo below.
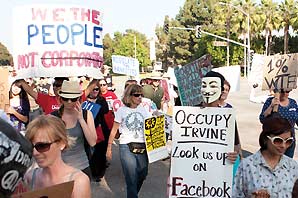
(125, 65)
(201, 140)
(60, 190)
(189, 80)
(57, 40)
(155, 138)
(4, 88)
(280, 72)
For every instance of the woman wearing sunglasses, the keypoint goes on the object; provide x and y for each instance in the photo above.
(287, 108)
(268, 172)
(49, 138)
(129, 119)
(98, 105)
(78, 127)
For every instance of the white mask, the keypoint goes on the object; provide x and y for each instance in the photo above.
(211, 89)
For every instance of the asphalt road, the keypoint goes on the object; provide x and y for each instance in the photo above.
(113, 185)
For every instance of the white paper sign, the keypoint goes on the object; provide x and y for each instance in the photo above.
(201, 140)
(57, 40)
(125, 65)
(232, 75)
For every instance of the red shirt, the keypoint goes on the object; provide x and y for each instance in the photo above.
(109, 117)
(48, 103)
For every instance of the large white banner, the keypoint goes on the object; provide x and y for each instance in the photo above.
(125, 65)
(57, 40)
(201, 139)
(232, 75)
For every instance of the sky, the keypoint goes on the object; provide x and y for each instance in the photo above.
(118, 15)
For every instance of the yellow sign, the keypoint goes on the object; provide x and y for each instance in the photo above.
(4, 89)
(155, 132)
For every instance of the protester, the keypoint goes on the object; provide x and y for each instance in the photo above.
(129, 82)
(98, 105)
(129, 119)
(268, 172)
(77, 127)
(35, 109)
(224, 95)
(12, 170)
(19, 108)
(110, 97)
(154, 91)
(46, 102)
(49, 138)
(287, 108)
(212, 88)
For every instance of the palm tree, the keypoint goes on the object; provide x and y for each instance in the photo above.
(288, 11)
(270, 21)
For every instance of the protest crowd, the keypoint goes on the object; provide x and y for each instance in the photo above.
(62, 119)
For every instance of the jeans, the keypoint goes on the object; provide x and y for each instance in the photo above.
(135, 170)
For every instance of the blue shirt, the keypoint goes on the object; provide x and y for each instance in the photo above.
(254, 174)
(289, 112)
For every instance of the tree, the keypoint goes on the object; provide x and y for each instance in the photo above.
(288, 11)
(5, 57)
(108, 49)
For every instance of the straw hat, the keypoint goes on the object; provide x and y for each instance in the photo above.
(70, 89)
(155, 75)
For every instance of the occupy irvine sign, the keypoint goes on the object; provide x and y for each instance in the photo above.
(199, 165)
(57, 40)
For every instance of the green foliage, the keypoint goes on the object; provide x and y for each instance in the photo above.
(127, 44)
(5, 56)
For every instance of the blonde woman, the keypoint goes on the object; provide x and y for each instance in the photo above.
(129, 119)
(49, 138)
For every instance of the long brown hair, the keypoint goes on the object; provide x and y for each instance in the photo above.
(131, 89)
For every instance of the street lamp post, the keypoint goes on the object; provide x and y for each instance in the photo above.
(248, 36)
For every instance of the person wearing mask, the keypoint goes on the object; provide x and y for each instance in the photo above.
(212, 88)
(268, 172)
(49, 138)
(19, 108)
(287, 108)
(129, 119)
(79, 127)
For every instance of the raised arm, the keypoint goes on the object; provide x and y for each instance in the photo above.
(28, 89)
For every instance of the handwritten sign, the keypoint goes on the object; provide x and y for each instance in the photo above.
(155, 138)
(59, 190)
(201, 140)
(189, 80)
(125, 65)
(57, 40)
(280, 72)
(4, 89)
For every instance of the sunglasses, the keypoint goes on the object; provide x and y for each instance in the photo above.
(42, 147)
(71, 99)
(276, 140)
(96, 89)
(137, 95)
(102, 85)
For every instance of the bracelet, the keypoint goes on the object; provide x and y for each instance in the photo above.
(110, 143)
